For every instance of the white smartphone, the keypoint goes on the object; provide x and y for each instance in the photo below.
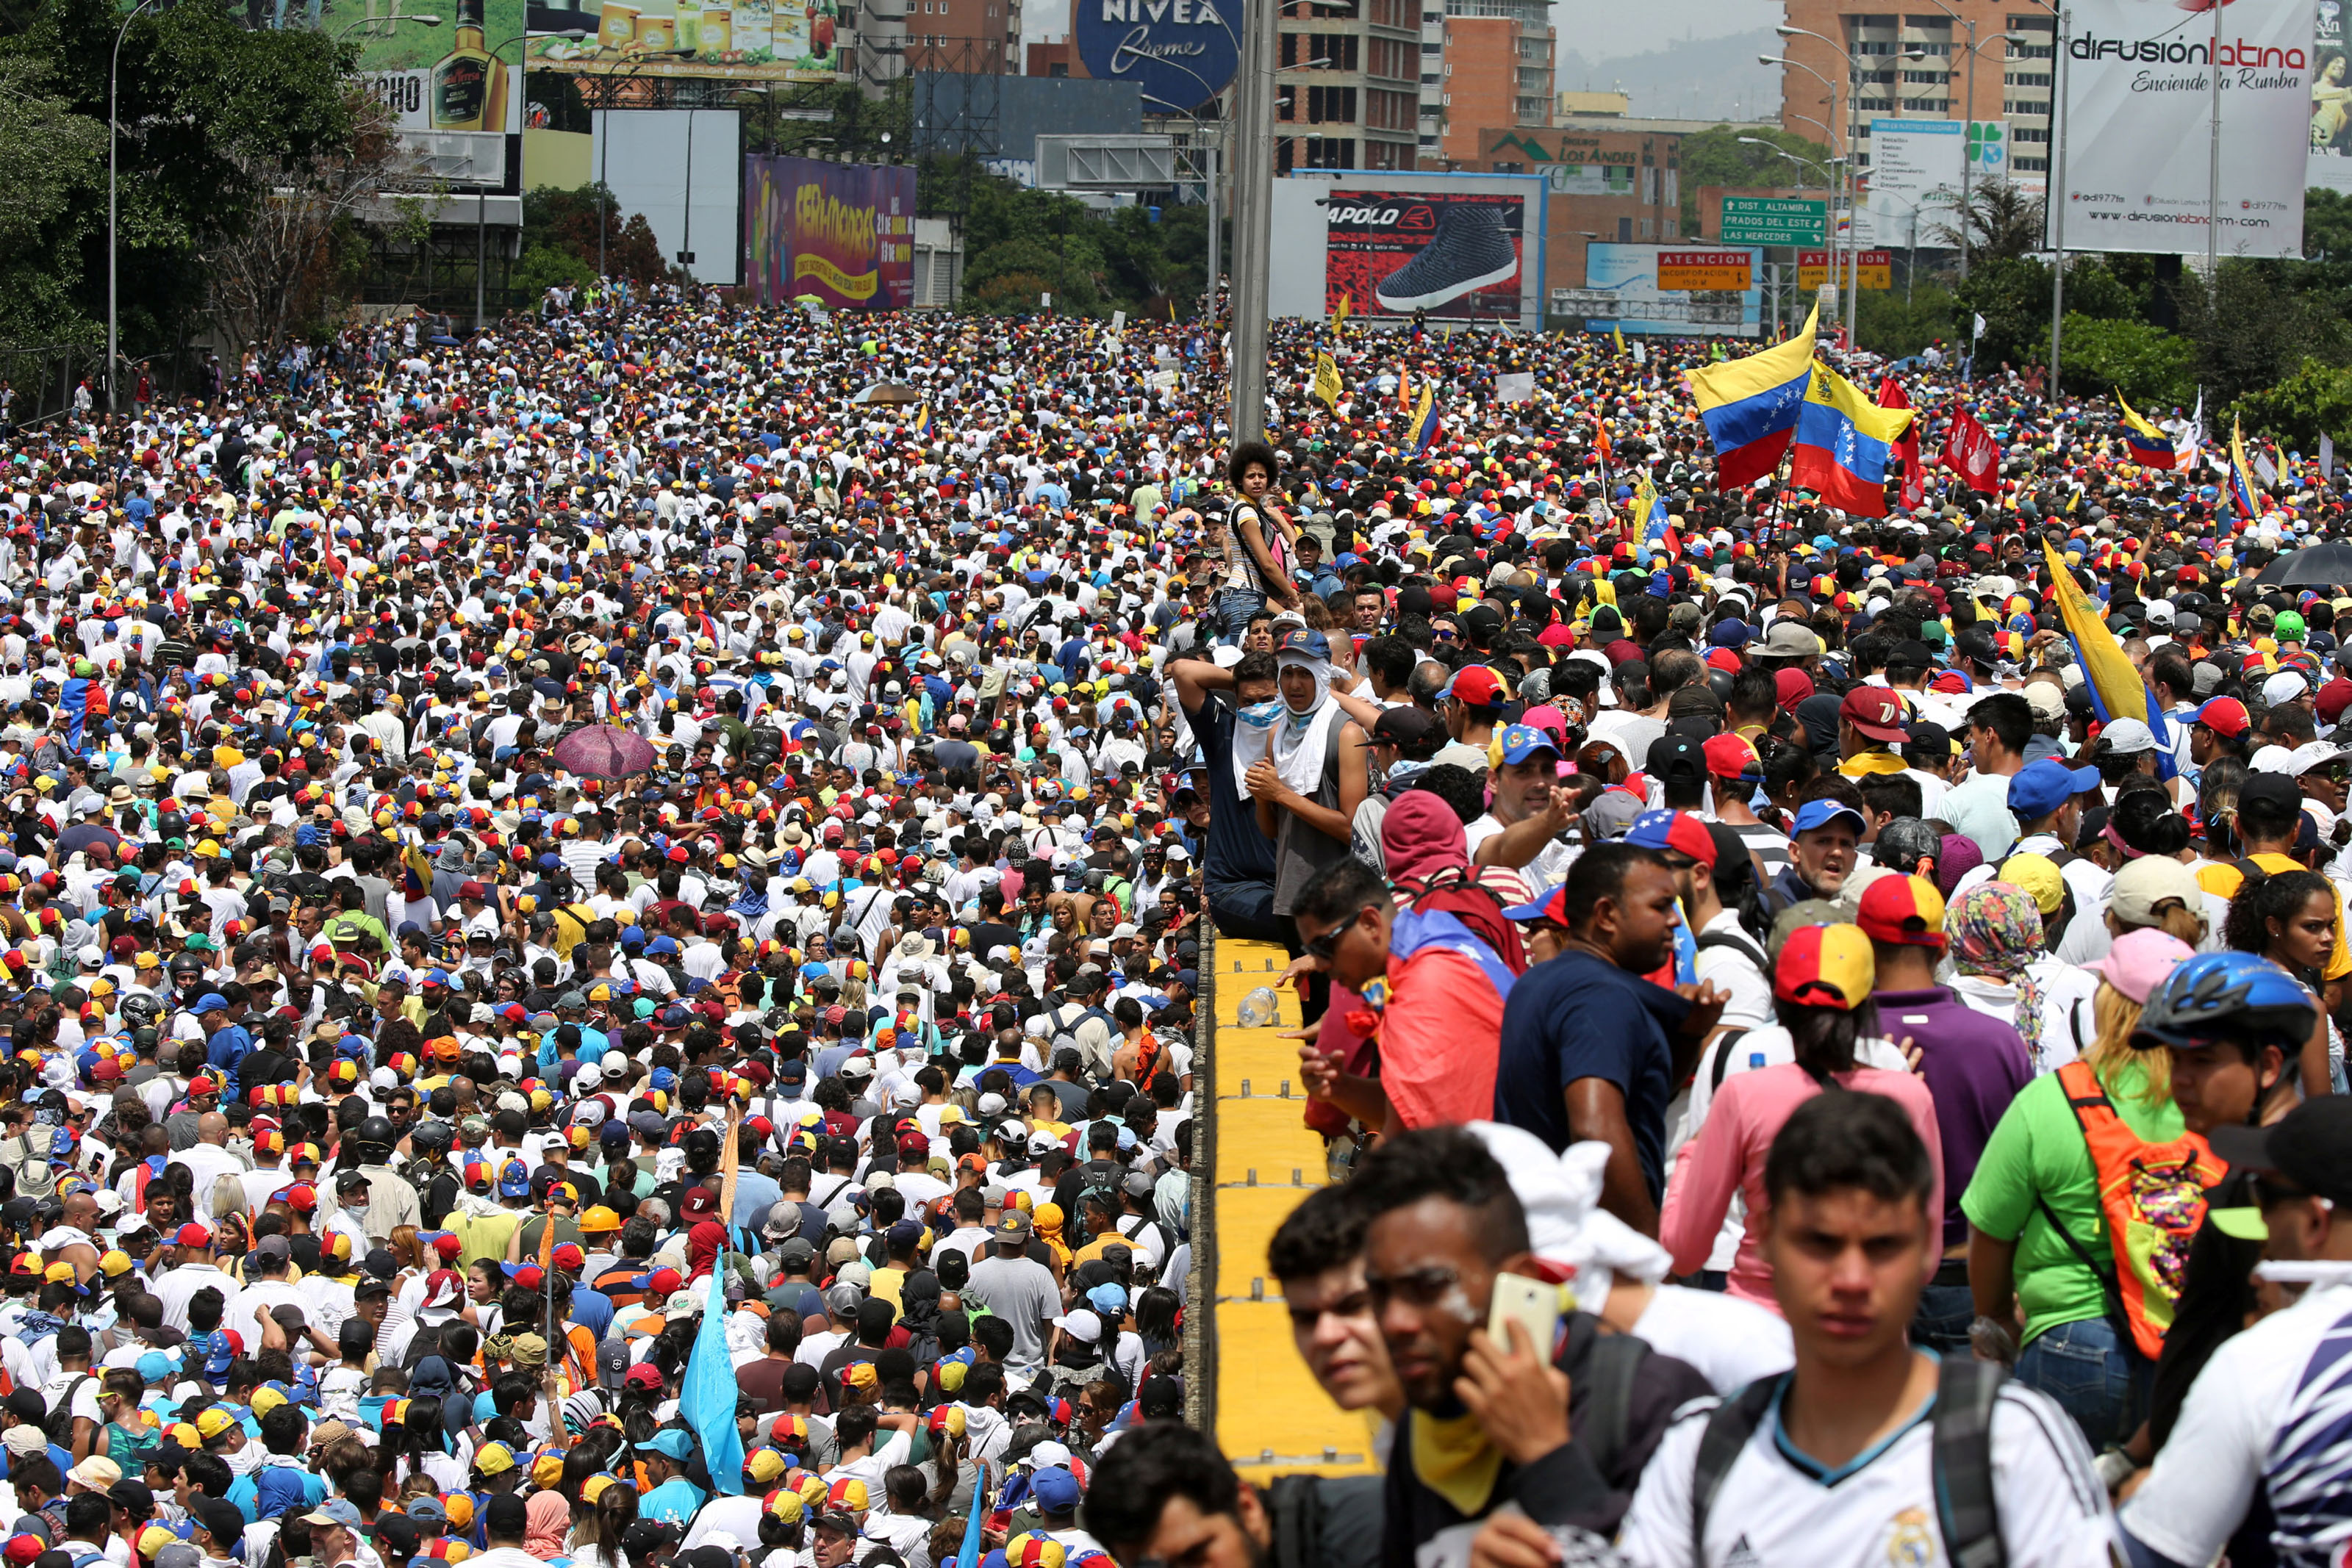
(1533, 1304)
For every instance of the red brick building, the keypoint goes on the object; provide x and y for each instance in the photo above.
(971, 36)
(1499, 73)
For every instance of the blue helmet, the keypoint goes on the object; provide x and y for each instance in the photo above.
(2227, 997)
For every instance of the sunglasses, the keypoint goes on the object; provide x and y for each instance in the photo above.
(1323, 946)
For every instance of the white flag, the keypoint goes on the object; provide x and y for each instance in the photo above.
(2266, 468)
(2327, 457)
(1641, 354)
(1515, 386)
(1979, 329)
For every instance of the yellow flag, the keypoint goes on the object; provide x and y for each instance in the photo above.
(1619, 333)
(1327, 380)
(2113, 681)
(1340, 311)
(1404, 391)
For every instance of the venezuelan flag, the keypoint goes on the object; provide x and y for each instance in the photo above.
(2242, 488)
(1424, 424)
(923, 423)
(1658, 534)
(2150, 447)
(1750, 405)
(1843, 440)
(2116, 690)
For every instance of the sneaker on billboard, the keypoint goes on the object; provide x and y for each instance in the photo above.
(1469, 250)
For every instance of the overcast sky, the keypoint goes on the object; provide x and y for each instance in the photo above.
(1599, 31)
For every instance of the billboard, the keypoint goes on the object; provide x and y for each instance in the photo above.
(679, 168)
(2331, 101)
(1457, 255)
(751, 41)
(440, 79)
(1181, 53)
(1457, 247)
(2138, 80)
(1621, 292)
(1707, 269)
(840, 232)
(1914, 180)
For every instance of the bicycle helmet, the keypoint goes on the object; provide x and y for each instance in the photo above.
(2227, 997)
(139, 1011)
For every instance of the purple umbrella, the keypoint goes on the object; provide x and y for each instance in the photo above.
(601, 751)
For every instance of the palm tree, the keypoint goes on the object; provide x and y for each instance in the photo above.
(2002, 221)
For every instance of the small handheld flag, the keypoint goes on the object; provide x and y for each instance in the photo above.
(923, 423)
(1327, 380)
(2116, 690)
(2241, 476)
(2150, 447)
(1424, 424)
(1340, 311)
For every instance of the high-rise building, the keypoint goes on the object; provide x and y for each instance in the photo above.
(971, 36)
(1875, 79)
(1347, 90)
(1497, 72)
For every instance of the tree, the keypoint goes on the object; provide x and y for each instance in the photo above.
(2315, 401)
(2002, 222)
(2149, 365)
(1887, 323)
(1719, 156)
(46, 152)
(565, 223)
(2257, 323)
(285, 272)
(212, 114)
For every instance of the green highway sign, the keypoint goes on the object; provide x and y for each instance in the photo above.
(1772, 220)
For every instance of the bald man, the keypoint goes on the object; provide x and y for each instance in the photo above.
(74, 1239)
(209, 1160)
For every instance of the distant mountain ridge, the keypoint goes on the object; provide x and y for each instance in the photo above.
(1709, 79)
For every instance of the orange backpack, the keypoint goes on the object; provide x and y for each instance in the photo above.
(2152, 1196)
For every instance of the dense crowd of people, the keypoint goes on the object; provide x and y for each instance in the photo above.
(603, 926)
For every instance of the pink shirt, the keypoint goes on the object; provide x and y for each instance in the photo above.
(1727, 1157)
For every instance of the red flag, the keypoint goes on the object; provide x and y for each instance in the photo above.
(1970, 451)
(1915, 477)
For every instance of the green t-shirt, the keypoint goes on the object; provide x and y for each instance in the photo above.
(2038, 1148)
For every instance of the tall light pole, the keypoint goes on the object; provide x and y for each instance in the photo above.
(1967, 118)
(1827, 172)
(379, 26)
(1853, 217)
(112, 135)
(1839, 130)
(2056, 202)
(1254, 104)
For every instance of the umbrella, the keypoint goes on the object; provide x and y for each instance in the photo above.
(601, 751)
(2318, 566)
(889, 391)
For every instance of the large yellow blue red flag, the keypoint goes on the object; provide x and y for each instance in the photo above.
(923, 422)
(1750, 405)
(1424, 424)
(2242, 477)
(1843, 440)
(2150, 447)
(2116, 689)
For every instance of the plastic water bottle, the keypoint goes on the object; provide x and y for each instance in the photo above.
(1258, 1010)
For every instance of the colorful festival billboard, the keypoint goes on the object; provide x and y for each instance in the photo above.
(843, 234)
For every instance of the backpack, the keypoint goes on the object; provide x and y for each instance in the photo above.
(57, 1424)
(1967, 1514)
(29, 1159)
(2152, 1198)
(2066, 910)
(1304, 1511)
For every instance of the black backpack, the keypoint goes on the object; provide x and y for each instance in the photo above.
(57, 1424)
(1967, 1514)
(1321, 1522)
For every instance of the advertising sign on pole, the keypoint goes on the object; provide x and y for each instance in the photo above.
(1443, 253)
(844, 233)
(1181, 53)
(1773, 220)
(1731, 270)
(2138, 86)
(1914, 179)
(1813, 268)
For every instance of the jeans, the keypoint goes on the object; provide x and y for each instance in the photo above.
(1244, 911)
(1941, 1320)
(2097, 1378)
(1234, 608)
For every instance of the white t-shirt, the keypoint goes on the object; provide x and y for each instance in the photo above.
(2287, 1370)
(1777, 1507)
(1731, 1341)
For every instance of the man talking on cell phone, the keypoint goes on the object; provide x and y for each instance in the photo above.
(1562, 1429)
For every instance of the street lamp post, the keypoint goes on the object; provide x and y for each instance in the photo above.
(604, 144)
(1853, 217)
(112, 135)
(1839, 131)
(1828, 180)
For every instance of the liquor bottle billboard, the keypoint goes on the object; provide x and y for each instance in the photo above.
(1449, 255)
(732, 40)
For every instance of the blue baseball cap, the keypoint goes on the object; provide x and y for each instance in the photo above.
(1306, 643)
(1521, 741)
(211, 1002)
(514, 1179)
(2041, 788)
(1551, 906)
(1821, 813)
(672, 1443)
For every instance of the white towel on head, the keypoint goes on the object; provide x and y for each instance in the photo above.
(1300, 739)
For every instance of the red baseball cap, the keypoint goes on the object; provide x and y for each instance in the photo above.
(2223, 716)
(1875, 711)
(1729, 756)
(1903, 909)
(1478, 687)
(192, 1235)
